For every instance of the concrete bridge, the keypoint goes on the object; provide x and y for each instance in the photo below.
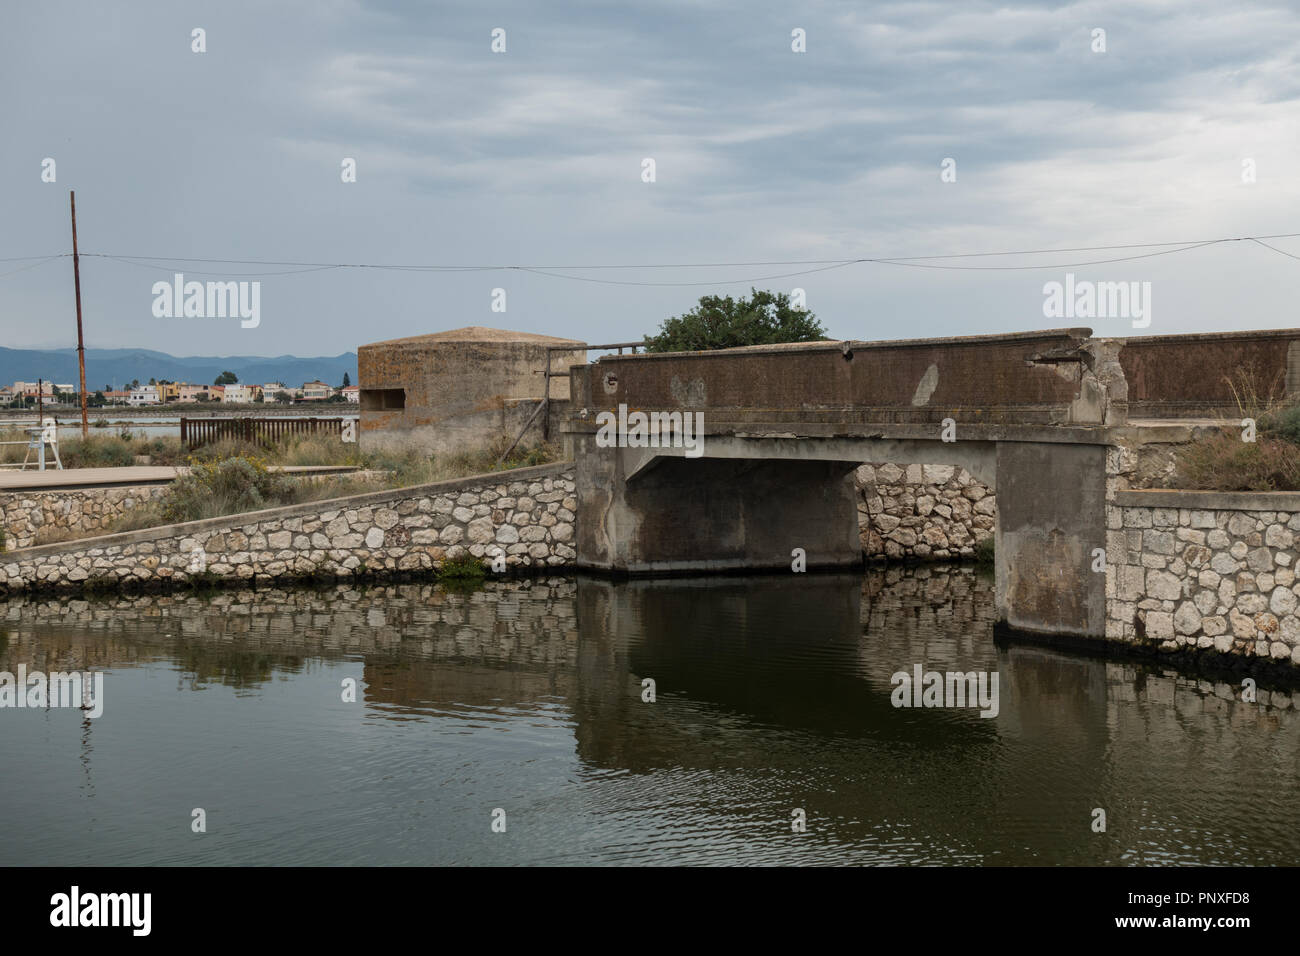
(1042, 418)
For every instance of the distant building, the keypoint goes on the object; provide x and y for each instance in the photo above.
(238, 394)
(352, 393)
(461, 390)
(216, 393)
(192, 393)
(316, 391)
(7, 394)
(169, 391)
(145, 395)
(120, 397)
(29, 389)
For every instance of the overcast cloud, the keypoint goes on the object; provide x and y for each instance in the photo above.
(533, 157)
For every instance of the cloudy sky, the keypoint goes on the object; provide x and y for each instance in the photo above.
(533, 157)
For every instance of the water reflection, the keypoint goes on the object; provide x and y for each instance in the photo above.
(771, 694)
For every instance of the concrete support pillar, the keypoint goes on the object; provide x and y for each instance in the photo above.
(1051, 517)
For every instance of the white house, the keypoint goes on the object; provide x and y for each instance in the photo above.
(145, 395)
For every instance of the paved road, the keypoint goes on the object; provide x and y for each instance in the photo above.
(14, 480)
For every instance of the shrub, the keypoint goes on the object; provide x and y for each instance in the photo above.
(98, 451)
(1283, 423)
(229, 486)
(1226, 463)
(984, 551)
(463, 568)
(764, 318)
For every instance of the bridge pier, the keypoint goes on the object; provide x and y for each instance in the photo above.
(1051, 516)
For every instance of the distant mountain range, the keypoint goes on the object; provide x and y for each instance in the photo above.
(118, 366)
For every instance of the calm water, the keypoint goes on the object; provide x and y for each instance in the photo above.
(772, 694)
(140, 427)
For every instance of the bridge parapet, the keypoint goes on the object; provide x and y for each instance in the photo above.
(1055, 377)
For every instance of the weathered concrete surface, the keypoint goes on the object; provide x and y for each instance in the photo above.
(1190, 376)
(457, 391)
(1051, 515)
(1052, 377)
(1033, 409)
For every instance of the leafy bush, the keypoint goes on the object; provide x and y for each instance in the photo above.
(765, 318)
(1226, 463)
(464, 567)
(984, 551)
(229, 486)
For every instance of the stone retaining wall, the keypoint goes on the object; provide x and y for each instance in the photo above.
(926, 512)
(1205, 570)
(77, 511)
(526, 515)
(28, 515)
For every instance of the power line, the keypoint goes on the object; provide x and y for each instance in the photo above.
(293, 267)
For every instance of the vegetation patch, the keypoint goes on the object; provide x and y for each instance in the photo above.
(1226, 463)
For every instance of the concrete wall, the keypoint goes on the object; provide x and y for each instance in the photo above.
(1189, 376)
(1030, 378)
(459, 390)
(1205, 571)
(1051, 516)
(528, 514)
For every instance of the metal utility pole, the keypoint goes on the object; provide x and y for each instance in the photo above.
(81, 344)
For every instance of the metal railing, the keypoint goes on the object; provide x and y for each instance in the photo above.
(203, 431)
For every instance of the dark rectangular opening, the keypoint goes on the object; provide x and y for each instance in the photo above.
(383, 399)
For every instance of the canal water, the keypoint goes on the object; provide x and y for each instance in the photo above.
(525, 703)
(69, 423)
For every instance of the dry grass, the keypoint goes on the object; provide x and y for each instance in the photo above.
(1226, 463)
(1257, 396)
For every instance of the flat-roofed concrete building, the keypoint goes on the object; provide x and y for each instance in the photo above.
(462, 390)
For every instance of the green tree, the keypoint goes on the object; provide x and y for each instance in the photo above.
(346, 380)
(98, 400)
(227, 378)
(765, 318)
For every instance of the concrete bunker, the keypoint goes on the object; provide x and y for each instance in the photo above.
(463, 390)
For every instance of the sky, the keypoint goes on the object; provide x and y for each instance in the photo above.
(1183, 129)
